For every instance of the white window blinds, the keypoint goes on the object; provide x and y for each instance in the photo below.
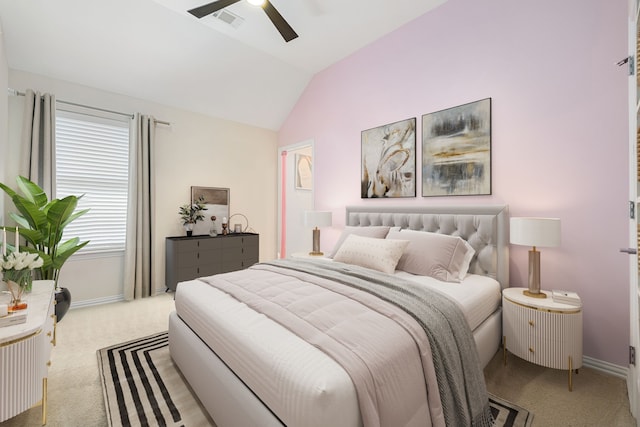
(92, 159)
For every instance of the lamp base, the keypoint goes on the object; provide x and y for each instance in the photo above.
(315, 249)
(534, 295)
(314, 253)
(534, 276)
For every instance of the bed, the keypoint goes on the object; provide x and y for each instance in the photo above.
(251, 370)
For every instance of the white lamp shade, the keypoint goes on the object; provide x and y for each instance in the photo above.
(317, 218)
(535, 231)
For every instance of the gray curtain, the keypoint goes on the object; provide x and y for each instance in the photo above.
(138, 259)
(38, 140)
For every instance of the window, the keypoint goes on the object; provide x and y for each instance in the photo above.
(92, 156)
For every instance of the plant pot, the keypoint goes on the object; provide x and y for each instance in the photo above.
(189, 228)
(63, 302)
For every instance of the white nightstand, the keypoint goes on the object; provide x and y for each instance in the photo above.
(542, 331)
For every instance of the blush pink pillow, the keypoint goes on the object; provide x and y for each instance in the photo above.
(377, 254)
(440, 256)
(375, 231)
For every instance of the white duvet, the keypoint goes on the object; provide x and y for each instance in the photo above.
(477, 296)
(304, 381)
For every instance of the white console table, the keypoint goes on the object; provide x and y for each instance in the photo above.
(25, 350)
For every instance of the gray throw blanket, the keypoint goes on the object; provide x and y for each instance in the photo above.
(460, 379)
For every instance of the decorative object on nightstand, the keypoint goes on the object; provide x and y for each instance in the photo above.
(535, 232)
(317, 219)
(566, 297)
(542, 331)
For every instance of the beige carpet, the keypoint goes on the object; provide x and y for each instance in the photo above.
(597, 399)
(76, 399)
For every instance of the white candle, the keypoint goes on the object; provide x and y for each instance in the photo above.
(4, 242)
(17, 240)
(4, 310)
(224, 220)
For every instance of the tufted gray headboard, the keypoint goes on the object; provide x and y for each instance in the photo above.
(486, 228)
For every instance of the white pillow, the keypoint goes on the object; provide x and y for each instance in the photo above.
(374, 253)
(377, 231)
(440, 256)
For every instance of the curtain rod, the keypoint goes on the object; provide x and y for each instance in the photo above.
(18, 93)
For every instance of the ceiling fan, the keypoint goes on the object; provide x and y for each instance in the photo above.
(280, 23)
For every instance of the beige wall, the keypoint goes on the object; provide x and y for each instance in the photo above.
(194, 150)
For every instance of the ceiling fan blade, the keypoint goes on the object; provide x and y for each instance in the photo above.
(283, 26)
(208, 9)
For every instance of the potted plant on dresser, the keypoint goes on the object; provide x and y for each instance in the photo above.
(41, 222)
(190, 214)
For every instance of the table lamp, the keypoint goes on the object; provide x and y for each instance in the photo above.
(317, 219)
(535, 232)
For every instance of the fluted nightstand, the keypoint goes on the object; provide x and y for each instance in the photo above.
(542, 331)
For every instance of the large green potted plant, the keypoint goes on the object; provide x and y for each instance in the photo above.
(41, 222)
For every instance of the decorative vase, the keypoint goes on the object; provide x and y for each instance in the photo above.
(17, 290)
(63, 302)
(189, 228)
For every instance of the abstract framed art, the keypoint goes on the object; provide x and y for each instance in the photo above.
(304, 173)
(216, 201)
(456, 150)
(388, 167)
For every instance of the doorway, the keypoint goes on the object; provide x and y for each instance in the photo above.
(295, 195)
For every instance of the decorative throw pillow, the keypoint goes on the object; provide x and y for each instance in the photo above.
(374, 253)
(440, 256)
(377, 231)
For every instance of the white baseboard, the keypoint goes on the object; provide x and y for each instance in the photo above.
(605, 367)
(162, 291)
(97, 301)
(105, 300)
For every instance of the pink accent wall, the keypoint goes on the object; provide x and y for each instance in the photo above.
(560, 131)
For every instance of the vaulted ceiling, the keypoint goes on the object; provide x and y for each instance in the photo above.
(155, 50)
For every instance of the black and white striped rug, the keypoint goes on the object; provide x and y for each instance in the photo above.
(506, 414)
(143, 387)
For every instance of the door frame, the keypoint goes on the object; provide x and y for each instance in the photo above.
(633, 373)
(289, 184)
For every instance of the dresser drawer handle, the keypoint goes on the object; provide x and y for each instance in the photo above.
(531, 350)
(531, 323)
